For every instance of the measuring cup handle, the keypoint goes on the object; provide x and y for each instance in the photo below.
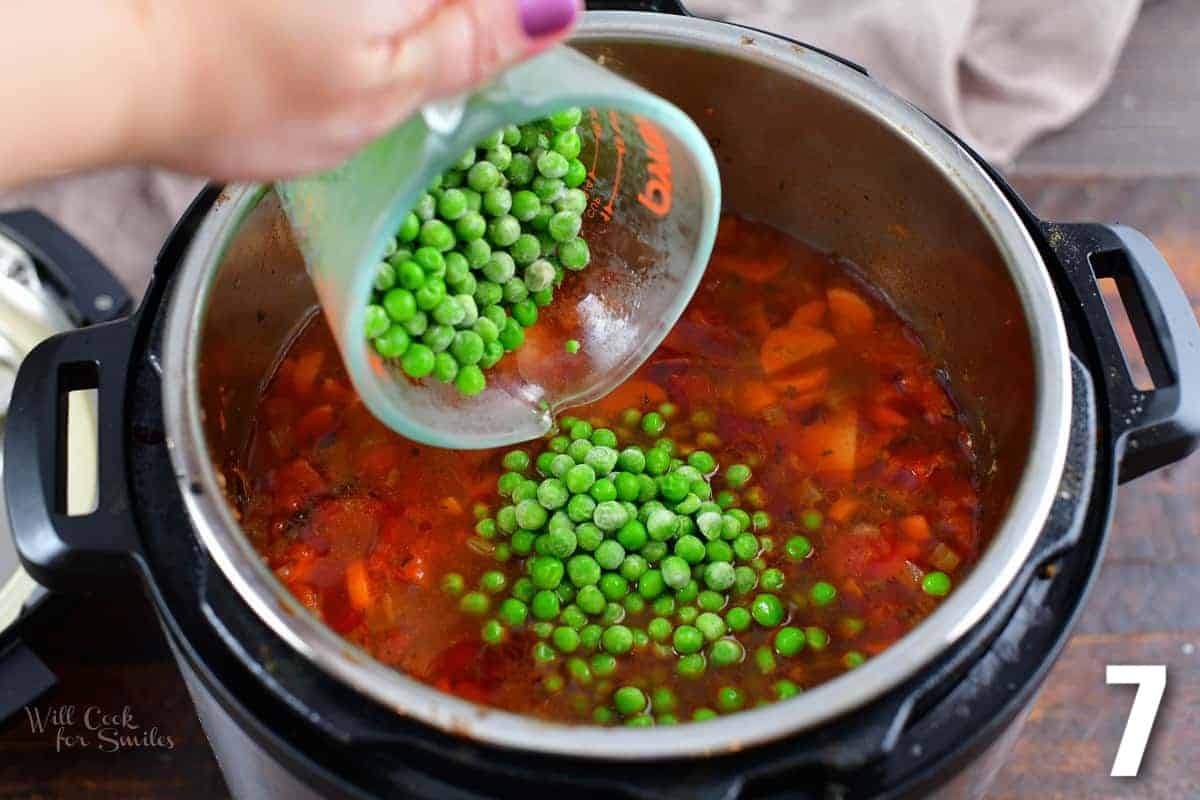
(657, 6)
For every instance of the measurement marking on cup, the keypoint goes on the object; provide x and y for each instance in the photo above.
(589, 185)
(656, 194)
(597, 136)
(1151, 681)
(619, 143)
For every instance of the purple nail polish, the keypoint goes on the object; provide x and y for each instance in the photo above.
(543, 17)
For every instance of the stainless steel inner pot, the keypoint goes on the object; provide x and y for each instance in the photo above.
(805, 143)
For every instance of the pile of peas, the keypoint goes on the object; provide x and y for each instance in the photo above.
(610, 532)
(483, 250)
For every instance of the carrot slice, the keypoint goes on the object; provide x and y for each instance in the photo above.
(791, 345)
(810, 313)
(831, 444)
(358, 585)
(802, 383)
(850, 313)
(843, 442)
(914, 526)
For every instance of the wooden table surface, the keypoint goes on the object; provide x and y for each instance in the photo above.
(108, 651)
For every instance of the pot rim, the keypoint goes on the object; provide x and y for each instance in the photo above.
(968, 604)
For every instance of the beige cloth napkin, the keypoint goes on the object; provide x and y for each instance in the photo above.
(996, 72)
(122, 215)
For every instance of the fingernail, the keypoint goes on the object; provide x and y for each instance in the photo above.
(543, 17)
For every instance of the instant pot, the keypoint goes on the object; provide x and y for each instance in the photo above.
(807, 142)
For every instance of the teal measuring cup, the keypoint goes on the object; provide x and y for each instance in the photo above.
(654, 203)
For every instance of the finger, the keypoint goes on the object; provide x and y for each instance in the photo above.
(467, 42)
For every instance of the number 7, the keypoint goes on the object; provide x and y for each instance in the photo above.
(1151, 682)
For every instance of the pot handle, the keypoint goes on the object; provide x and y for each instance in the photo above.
(1152, 427)
(72, 271)
(61, 551)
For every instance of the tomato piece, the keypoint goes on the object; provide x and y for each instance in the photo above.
(338, 612)
(400, 553)
(349, 524)
(391, 646)
(381, 459)
(295, 485)
(316, 423)
(855, 556)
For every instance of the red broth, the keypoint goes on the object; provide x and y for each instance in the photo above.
(787, 363)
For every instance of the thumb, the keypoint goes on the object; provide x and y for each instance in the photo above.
(466, 42)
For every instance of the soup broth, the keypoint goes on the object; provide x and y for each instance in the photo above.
(863, 501)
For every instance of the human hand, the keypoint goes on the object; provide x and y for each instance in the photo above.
(243, 89)
(273, 88)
